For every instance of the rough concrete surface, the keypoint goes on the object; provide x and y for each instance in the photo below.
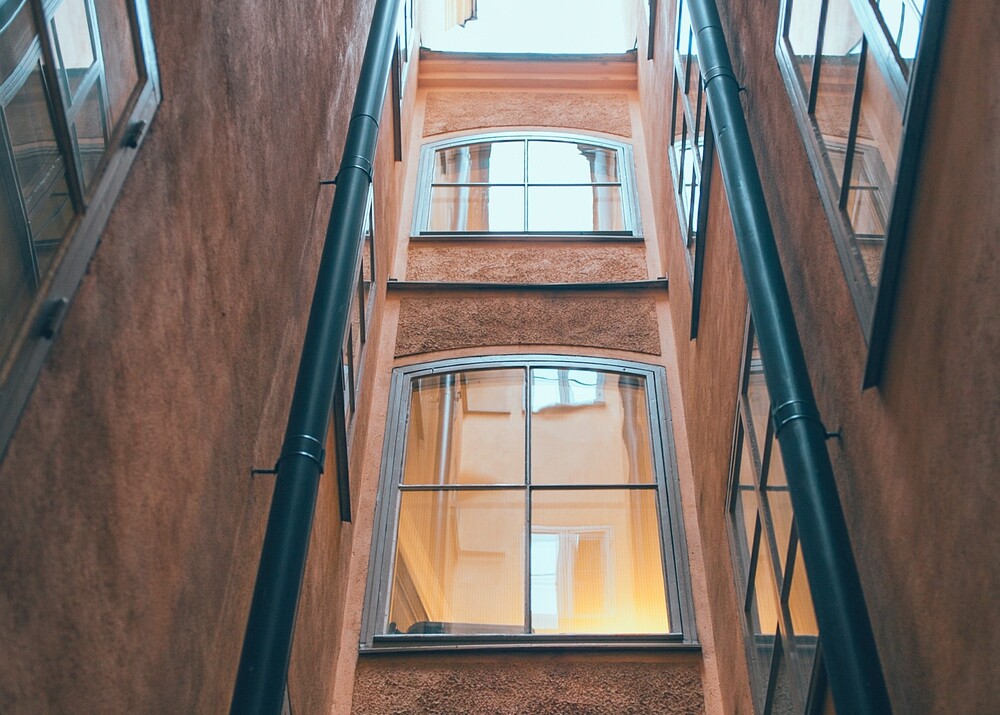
(540, 684)
(455, 111)
(430, 324)
(526, 263)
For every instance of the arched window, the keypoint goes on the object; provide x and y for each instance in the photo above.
(516, 183)
(527, 498)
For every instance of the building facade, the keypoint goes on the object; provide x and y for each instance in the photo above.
(552, 480)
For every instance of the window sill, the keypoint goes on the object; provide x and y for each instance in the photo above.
(429, 644)
(529, 237)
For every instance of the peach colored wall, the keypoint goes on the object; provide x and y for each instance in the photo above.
(130, 528)
(918, 457)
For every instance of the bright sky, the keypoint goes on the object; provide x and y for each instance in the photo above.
(556, 26)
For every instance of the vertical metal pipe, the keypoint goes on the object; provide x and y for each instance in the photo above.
(848, 643)
(260, 679)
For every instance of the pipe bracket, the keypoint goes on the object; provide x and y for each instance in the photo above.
(356, 162)
(303, 445)
(795, 410)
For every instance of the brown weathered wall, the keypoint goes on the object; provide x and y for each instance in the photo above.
(499, 263)
(129, 526)
(537, 683)
(432, 324)
(918, 456)
(455, 111)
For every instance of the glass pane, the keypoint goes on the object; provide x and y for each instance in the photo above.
(90, 134)
(466, 428)
(902, 19)
(589, 427)
(685, 39)
(485, 163)
(800, 604)
(367, 263)
(842, 41)
(802, 33)
(74, 44)
(575, 208)
(476, 208)
(551, 162)
(459, 565)
(17, 276)
(765, 597)
(41, 170)
(758, 401)
(121, 73)
(783, 698)
(779, 503)
(745, 510)
(596, 562)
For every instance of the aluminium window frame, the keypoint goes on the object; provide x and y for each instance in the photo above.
(673, 549)
(693, 129)
(626, 179)
(40, 326)
(913, 95)
(809, 699)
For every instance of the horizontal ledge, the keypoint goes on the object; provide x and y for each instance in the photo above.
(526, 237)
(540, 646)
(447, 286)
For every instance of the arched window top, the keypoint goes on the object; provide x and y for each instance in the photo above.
(537, 183)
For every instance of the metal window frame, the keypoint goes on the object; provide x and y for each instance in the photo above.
(808, 679)
(39, 327)
(677, 588)
(626, 180)
(698, 134)
(873, 305)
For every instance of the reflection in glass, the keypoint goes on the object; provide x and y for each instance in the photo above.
(757, 398)
(575, 208)
(779, 503)
(466, 428)
(765, 595)
(71, 26)
(596, 562)
(800, 604)
(483, 163)
(459, 563)
(477, 208)
(89, 132)
(903, 19)
(802, 34)
(551, 162)
(589, 427)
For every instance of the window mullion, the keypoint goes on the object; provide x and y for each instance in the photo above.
(526, 406)
(852, 136)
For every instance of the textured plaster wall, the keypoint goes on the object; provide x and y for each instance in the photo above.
(430, 324)
(709, 366)
(526, 263)
(455, 111)
(129, 526)
(536, 683)
(919, 454)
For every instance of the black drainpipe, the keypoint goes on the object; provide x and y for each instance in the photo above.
(260, 680)
(852, 661)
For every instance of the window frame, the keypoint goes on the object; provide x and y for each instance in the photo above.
(912, 94)
(808, 690)
(696, 131)
(677, 589)
(92, 201)
(626, 178)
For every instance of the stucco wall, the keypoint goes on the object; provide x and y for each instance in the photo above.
(455, 111)
(435, 323)
(526, 263)
(537, 683)
(130, 528)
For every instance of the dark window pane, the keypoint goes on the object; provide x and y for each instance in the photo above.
(589, 427)
(575, 208)
(89, 128)
(466, 428)
(557, 162)
(485, 163)
(459, 563)
(596, 565)
(477, 208)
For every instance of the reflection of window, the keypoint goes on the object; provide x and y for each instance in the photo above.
(501, 518)
(781, 632)
(691, 154)
(513, 184)
(849, 68)
(77, 84)
(400, 66)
